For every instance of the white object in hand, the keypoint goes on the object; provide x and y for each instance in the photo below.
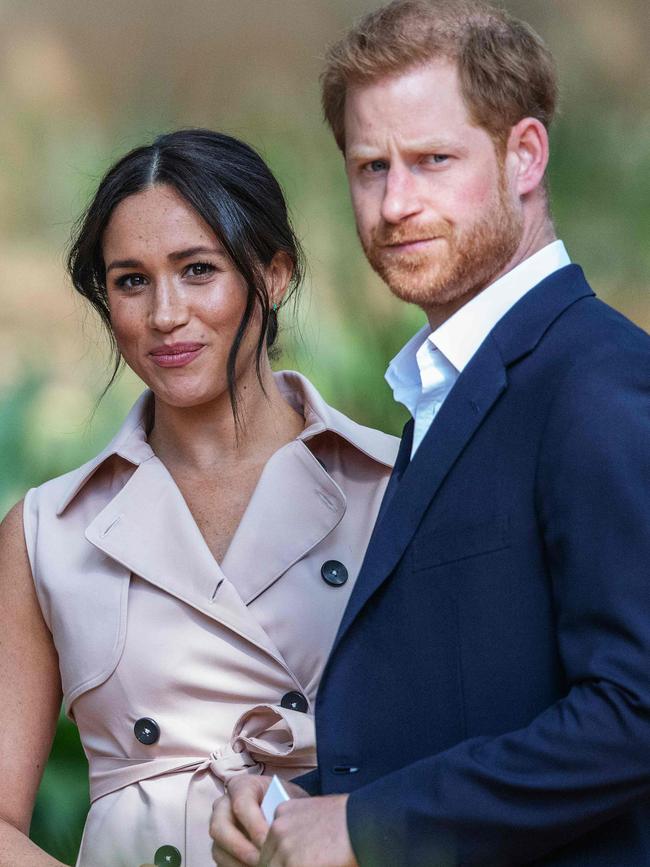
(275, 795)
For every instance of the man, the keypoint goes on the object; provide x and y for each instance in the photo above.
(487, 699)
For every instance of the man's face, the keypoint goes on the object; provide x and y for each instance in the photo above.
(434, 211)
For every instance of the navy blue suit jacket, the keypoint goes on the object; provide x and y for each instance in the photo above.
(487, 699)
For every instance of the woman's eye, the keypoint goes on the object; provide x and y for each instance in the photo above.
(199, 269)
(131, 281)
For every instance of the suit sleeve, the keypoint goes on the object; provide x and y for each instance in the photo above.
(310, 782)
(513, 798)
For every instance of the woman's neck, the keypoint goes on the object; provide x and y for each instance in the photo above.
(205, 439)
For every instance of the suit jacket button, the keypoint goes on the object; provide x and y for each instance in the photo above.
(146, 731)
(167, 856)
(334, 573)
(295, 701)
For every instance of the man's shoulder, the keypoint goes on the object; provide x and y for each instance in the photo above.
(573, 353)
(609, 322)
(595, 366)
(580, 325)
(591, 333)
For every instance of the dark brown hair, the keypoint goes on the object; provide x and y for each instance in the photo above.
(230, 186)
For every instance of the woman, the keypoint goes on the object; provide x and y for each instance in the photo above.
(182, 589)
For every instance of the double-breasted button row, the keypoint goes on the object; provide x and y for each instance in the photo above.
(146, 731)
(295, 701)
(334, 573)
(166, 856)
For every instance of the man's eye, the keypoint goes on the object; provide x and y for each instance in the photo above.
(199, 269)
(375, 166)
(437, 159)
(130, 281)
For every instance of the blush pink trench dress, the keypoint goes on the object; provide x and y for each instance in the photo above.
(181, 672)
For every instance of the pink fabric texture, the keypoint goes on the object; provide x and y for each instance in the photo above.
(148, 625)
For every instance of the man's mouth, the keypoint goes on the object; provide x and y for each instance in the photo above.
(408, 245)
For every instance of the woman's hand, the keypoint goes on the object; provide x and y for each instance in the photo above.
(238, 826)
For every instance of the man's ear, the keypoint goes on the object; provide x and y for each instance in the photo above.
(527, 154)
(278, 277)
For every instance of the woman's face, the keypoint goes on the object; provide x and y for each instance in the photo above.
(175, 298)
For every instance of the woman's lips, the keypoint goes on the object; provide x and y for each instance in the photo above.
(176, 354)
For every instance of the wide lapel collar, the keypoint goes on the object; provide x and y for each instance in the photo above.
(130, 443)
(148, 528)
(473, 395)
(320, 417)
(295, 505)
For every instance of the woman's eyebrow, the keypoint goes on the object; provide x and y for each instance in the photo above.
(124, 263)
(193, 251)
(176, 256)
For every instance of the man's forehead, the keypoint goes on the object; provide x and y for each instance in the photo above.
(421, 107)
(433, 75)
(432, 87)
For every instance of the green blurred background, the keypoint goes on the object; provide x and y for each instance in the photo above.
(82, 82)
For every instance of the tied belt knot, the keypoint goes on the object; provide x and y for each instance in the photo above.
(263, 735)
(266, 734)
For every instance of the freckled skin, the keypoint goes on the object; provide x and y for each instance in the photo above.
(199, 298)
(169, 281)
(420, 171)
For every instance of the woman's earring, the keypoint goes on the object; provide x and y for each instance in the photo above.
(274, 307)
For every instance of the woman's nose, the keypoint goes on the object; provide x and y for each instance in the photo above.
(169, 307)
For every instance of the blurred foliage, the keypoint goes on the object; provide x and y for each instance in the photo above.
(62, 802)
(80, 83)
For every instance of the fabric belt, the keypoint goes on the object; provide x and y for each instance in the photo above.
(265, 734)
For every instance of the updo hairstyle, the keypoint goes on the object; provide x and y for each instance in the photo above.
(231, 188)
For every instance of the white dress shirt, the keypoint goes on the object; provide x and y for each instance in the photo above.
(422, 374)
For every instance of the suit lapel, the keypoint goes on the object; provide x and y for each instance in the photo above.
(473, 395)
(469, 401)
(149, 529)
(401, 464)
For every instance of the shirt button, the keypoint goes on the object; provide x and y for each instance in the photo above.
(295, 701)
(146, 731)
(167, 856)
(334, 573)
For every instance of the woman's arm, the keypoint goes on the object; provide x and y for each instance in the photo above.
(30, 698)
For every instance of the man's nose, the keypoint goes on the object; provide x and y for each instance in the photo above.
(402, 197)
(169, 307)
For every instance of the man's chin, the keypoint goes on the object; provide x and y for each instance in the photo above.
(425, 289)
